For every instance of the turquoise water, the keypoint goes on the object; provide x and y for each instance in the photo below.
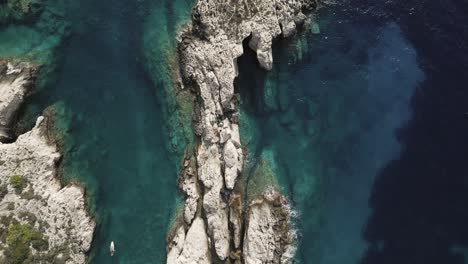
(36, 39)
(111, 118)
(330, 112)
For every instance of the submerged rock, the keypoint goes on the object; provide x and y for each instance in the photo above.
(33, 201)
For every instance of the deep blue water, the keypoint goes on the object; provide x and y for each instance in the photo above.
(367, 128)
(419, 212)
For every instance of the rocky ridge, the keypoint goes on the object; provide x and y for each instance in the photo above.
(40, 220)
(208, 49)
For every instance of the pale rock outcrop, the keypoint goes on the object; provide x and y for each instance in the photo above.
(33, 159)
(216, 211)
(264, 20)
(190, 248)
(232, 164)
(15, 82)
(259, 243)
(189, 185)
(208, 51)
(176, 246)
(269, 237)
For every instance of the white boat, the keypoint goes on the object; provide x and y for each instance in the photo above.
(112, 248)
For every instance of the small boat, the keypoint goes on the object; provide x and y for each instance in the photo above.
(112, 248)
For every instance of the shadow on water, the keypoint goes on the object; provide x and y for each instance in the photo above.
(419, 212)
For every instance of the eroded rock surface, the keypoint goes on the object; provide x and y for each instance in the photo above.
(192, 248)
(40, 220)
(15, 82)
(189, 185)
(208, 51)
(268, 237)
(33, 201)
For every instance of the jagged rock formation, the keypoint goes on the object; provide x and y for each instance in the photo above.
(40, 221)
(15, 82)
(268, 238)
(191, 248)
(208, 50)
(33, 196)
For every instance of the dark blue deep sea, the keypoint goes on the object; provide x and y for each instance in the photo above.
(364, 118)
(367, 124)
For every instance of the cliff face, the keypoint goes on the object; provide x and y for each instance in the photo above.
(208, 50)
(40, 221)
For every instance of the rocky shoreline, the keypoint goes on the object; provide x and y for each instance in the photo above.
(219, 225)
(41, 221)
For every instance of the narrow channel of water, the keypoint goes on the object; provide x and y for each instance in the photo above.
(110, 115)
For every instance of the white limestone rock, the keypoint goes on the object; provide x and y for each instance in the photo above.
(190, 187)
(191, 248)
(188, 183)
(268, 237)
(264, 20)
(259, 242)
(176, 246)
(208, 52)
(232, 164)
(15, 82)
(63, 208)
(216, 211)
(209, 165)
